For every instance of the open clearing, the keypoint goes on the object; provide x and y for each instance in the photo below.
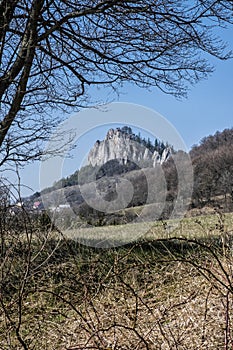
(205, 226)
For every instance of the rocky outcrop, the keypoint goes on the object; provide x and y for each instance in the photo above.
(124, 147)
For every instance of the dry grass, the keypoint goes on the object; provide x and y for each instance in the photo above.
(161, 293)
(187, 313)
(205, 226)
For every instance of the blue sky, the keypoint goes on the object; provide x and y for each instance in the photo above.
(208, 108)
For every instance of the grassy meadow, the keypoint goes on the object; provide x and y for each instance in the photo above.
(171, 288)
(201, 226)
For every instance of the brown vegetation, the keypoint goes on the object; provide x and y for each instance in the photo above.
(168, 293)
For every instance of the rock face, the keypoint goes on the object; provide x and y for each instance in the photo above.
(123, 147)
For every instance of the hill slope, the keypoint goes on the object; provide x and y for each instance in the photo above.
(213, 170)
(212, 162)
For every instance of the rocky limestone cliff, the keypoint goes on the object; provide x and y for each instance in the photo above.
(123, 147)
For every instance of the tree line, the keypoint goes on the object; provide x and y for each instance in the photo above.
(213, 170)
(212, 161)
(156, 145)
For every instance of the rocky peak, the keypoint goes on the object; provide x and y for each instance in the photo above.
(123, 145)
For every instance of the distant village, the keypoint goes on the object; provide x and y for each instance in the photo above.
(37, 207)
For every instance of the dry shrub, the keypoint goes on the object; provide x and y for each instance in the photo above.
(177, 309)
(167, 294)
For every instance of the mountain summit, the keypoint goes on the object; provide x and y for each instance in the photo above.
(122, 145)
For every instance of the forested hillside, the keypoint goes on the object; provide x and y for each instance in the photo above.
(213, 170)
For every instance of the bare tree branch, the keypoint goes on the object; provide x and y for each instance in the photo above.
(52, 52)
